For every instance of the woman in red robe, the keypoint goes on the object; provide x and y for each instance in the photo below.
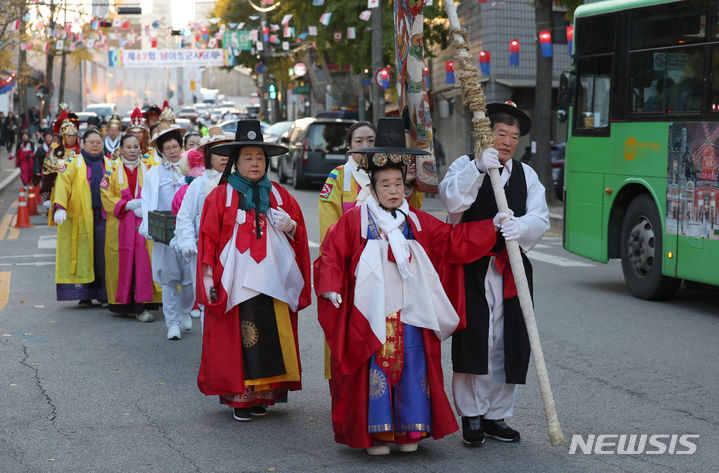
(383, 308)
(253, 275)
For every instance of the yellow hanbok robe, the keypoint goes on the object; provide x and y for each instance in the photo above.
(75, 245)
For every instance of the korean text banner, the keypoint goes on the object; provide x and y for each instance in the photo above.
(166, 58)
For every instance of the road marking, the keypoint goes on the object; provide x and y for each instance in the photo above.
(47, 242)
(558, 260)
(34, 263)
(5, 224)
(34, 255)
(312, 244)
(14, 232)
(543, 246)
(4, 288)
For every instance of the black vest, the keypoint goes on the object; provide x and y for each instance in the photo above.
(470, 346)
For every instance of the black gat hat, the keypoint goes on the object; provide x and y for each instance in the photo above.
(249, 133)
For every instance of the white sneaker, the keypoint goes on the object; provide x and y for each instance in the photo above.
(145, 316)
(408, 447)
(173, 332)
(186, 321)
(195, 313)
(378, 450)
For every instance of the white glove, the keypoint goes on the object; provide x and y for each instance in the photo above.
(188, 252)
(510, 229)
(132, 205)
(501, 216)
(137, 211)
(334, 298)
(488, 159)
(47, 204)
(283, 222)
(60, 216)
(207, 281)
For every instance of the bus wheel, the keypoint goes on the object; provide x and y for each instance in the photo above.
(641, 251)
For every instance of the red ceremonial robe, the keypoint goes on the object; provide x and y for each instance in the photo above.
(221, 369)
(348, 333)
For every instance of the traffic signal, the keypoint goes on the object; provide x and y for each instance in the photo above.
(272, 90)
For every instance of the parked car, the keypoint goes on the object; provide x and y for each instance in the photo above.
(84, 117)
(102, 110)
(189, 113)
(185, 124)
(557, 157)
(316, 146)
(230, 126)
(346, 114)
(273, 134)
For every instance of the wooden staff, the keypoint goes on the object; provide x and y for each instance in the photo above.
(468, 74)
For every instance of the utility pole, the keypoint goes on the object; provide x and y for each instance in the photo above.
(21, 67)
(265, 69)
(49, 63)
(377, 95)
(63, 61)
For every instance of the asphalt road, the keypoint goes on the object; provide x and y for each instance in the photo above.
(83, 391)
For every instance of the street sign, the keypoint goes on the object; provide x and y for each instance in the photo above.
(302, 90)
(300, 69)
(258, 68)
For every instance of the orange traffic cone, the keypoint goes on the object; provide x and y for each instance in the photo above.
(23, 219)
(31, 201)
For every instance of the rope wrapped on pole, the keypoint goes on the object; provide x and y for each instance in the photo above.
(467, 71)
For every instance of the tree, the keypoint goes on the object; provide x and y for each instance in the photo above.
(11, 11)
(344, 14)
(541, 126)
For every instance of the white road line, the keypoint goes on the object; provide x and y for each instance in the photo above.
(312, 244)
(47, 242)
(35, 263)
(543, 246)
(557, 260)
(36, 255)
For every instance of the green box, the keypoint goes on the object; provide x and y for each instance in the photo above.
(161, 225)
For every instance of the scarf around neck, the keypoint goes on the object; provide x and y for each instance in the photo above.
(97, 172)
(112, 145)
(130, 165)
(257, 194)
(391, 224)
(174, 169)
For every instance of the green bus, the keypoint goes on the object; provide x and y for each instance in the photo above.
(642, 155)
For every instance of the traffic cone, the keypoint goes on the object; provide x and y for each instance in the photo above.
(23, 219)
(31, 201)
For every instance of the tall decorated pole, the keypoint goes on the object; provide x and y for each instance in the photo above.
(412, 88)
(465, 67)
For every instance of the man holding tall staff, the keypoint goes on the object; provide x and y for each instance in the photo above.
(491, 355)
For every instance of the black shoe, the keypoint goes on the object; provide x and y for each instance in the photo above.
(85, 303)
(242, 414)
(499, 430)
(472, 434)
(258, 411)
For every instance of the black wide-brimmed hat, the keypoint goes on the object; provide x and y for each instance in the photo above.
(390, 149)
(249, 133)
(510, 108)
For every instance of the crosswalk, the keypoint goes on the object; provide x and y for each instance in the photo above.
(550, 251)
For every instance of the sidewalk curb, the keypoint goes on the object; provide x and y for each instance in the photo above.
(9, 180)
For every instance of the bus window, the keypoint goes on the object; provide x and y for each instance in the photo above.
(593, 92)
(595, 34)
(667, 81)
(668, 25)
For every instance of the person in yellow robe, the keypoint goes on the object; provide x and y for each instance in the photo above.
(347, 186)
(77, 211)
(128, 269)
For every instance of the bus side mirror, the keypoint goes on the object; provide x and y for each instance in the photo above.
(567, 89)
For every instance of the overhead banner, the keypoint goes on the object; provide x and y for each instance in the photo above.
(237, 40)
(167, 58)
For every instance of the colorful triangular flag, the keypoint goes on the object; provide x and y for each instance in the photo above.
(325, 18)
